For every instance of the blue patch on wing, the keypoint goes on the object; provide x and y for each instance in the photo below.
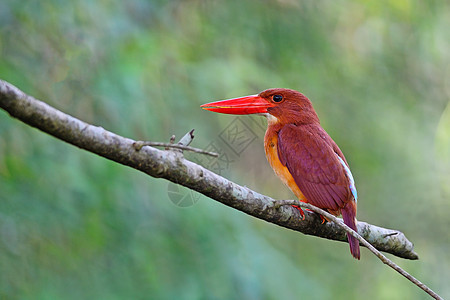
(350, 177)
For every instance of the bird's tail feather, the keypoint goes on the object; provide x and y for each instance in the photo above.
(349, 216)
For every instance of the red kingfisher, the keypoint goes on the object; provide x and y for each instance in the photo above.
(300, 152)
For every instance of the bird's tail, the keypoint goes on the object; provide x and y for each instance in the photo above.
(349, 216)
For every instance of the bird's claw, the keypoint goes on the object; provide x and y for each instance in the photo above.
(321, 217)
(300, 210)
(277, 204)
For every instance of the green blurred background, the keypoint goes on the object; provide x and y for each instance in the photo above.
(76, 226)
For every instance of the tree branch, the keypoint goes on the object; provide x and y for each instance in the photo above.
(172, 166)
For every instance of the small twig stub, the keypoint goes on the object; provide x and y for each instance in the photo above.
(139, 144)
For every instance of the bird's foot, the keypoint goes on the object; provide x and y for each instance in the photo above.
(277, 204)
(300, 210)
(321, 217)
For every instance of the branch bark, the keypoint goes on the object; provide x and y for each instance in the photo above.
(172, 166)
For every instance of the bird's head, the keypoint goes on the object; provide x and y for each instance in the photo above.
(278, 105)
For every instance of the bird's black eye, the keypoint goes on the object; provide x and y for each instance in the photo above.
(277, 98)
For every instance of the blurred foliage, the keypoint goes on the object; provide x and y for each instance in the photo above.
(74, 225)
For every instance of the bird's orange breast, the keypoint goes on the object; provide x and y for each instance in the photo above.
(270, 147)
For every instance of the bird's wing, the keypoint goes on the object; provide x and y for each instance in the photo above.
(316, 164)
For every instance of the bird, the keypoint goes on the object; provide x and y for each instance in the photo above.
(301, 152)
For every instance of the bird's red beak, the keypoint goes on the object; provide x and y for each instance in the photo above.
(253, 104)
